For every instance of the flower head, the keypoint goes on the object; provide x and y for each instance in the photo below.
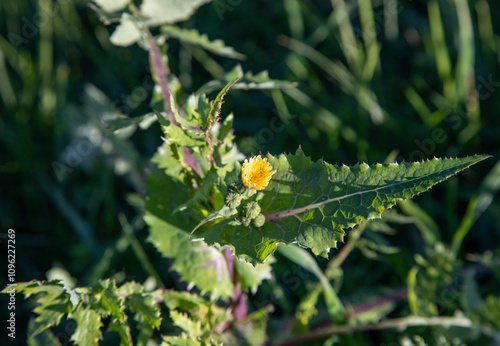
(256, 173)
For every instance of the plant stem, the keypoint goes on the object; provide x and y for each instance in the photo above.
(399, 323)
(161, 71)
(162, 74)
(238, 301)
(376, 302)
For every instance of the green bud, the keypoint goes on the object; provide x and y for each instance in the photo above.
(259, 220)
(245, 221)
(232, 199)
(251, 210)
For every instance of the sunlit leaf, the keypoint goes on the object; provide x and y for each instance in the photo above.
(88, 324)
(126, 33)
(192, 36)
(161, 12)
(196, 263)
(112, 5)
(247, 81)
(311, 203)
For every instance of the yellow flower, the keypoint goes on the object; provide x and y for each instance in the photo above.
(256, 173)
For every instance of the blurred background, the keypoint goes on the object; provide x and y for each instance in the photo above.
(377, 81)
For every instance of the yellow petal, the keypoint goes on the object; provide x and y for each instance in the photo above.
(256, 173)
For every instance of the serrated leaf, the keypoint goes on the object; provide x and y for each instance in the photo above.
(251, 277)
(192, 36)
(174, 134)
(161, 12)
(182, 300)
(127, 32)
(123, 330)
(306, 309)
(142, 304)
(198, 107)
(260, 81)
(53, 302)
(196, 263)
(105, 300)
(112, 5)
(217, 103)
(183, 340)
(311, 203)
(181, 320)
(88, 324)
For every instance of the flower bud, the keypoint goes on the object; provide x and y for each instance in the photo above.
(251, 210)
(259, 220)
(232, 199)
(245, 221)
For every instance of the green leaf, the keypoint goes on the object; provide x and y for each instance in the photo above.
(192, 36)
(183, 340)
(105, 301)
(198, 107)
(182, 300)
(123, 330)
(174, 134)
(251, 277)
(52, 299)
(311, 203)
(217, 103)
(181, 320)
(197, 263)
(199, 318)
(247, 81)
(142, 304)
(127, 32)
(112, 5)
(118, 123)
(88, 324)
(161, 12)
(306, 309)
